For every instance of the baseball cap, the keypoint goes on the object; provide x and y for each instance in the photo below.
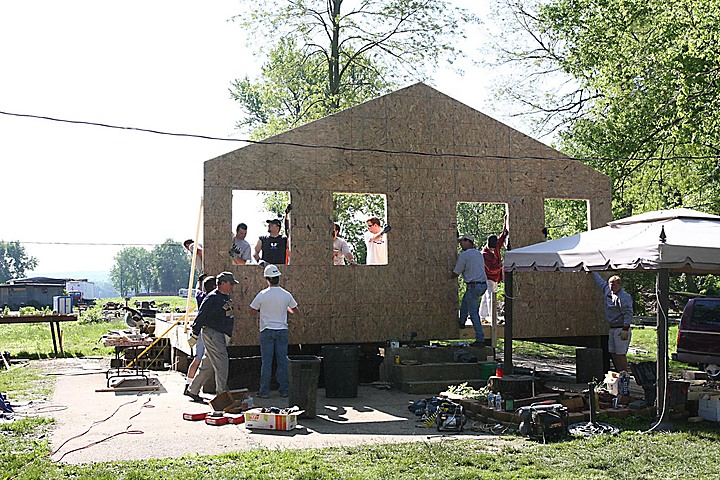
(467, 236)
(276, 221)
(226, 277)
(272, 271)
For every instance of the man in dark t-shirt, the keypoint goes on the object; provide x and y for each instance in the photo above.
(273, 247)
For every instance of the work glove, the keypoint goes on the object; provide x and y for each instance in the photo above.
(386, 229)
(288, 208)
(624, 335)
(262, 263)
(234, 250)
(192, 341)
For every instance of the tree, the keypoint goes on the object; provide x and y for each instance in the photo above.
(14, 262)
(326, 55)
(640, 102)
(128, 274)
(645, 96)
(171, 266)
(290, 91)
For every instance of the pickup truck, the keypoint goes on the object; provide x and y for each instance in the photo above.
(698, 340)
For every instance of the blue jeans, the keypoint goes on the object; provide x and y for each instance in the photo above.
(470, 303)
(273, 343)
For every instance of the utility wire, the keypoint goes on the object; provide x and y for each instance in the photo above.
(102, 244)
(356, 149)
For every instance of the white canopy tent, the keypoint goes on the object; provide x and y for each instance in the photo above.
(678, 240)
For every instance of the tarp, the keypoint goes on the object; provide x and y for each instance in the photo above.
(680, 240)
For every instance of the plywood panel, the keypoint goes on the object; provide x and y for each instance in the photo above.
(414, 292)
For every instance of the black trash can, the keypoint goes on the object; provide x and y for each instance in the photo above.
(304, 373)
(340, 365)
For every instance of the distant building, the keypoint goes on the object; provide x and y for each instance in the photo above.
(30, 292)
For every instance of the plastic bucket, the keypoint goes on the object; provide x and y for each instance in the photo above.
(340, 366)
(487, 370)
(304, 373)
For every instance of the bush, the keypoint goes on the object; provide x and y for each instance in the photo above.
(91, 315)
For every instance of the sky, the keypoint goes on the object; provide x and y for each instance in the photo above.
(74, 195)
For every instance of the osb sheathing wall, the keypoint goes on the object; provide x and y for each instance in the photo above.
(414, 293)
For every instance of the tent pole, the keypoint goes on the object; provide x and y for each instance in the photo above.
(508, 333)
(663, 291)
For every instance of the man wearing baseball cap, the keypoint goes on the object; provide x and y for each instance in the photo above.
(273, 303)
(273, 247)
(215, 320)
(471, 265)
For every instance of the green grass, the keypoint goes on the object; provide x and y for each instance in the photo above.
(34, 340)
(80, 339)
(690, 452)
(684, 454)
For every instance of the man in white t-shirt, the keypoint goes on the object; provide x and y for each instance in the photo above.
(273, 303)
(341, 249)
(376, 242)
(240, 252)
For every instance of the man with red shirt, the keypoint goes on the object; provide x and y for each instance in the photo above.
(493, 269)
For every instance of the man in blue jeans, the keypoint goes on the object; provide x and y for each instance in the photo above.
(273, 303)
(471, 265)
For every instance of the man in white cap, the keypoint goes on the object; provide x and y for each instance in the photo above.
(273, 303)
(471, 265)
(216, 321)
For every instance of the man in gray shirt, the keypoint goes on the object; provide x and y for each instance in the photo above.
(618, 313)
(471, 265)
(240, 250)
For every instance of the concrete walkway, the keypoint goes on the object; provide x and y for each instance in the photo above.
(141, 425)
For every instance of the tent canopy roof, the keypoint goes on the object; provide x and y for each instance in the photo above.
(690, 243)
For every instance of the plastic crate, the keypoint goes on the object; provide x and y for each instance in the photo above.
(709, 409)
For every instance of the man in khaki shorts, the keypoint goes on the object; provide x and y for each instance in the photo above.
(618, 313)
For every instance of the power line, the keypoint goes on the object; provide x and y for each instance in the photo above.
(102, 244)
(357, 149)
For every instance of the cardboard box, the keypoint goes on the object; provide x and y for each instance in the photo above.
(230, 402)
(194, 417)
(217, 421)
(255, 418)
(235, 419)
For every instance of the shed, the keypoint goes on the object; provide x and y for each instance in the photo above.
(426, 152)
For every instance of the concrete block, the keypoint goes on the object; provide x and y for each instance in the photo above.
(694, 375)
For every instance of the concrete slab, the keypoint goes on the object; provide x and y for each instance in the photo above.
(108, 426)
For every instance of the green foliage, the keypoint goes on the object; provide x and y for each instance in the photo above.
(466, 391)
(640, 101)
(170, 266)
(480, 219)
(91, 315)
(291, 90)
(324, 56)
(14, 262)
(644, 107)
(138, 270)
(351, 211)
(564, 218)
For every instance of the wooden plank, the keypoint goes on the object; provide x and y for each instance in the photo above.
(12, 319)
